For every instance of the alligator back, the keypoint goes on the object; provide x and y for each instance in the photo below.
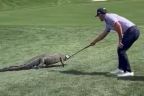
(53, 58)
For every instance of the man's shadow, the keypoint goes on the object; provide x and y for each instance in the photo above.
(132, 78)
(106, 74)
(76, 72)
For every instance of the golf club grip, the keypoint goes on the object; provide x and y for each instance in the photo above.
(79, 51)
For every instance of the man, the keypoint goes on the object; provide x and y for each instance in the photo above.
(127, 34)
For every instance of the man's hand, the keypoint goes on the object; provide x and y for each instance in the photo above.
(120, 45)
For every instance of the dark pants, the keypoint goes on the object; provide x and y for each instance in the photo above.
(130, 36)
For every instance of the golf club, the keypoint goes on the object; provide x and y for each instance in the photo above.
(78, 51)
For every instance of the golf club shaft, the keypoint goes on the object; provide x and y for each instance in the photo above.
(79, 51)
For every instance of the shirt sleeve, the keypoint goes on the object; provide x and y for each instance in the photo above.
(107, 28)
(112, 20)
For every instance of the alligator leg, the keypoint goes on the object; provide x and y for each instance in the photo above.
(41, 63)
(62, 61)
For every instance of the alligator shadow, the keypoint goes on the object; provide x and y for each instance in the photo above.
(37, 68)
(50, 66)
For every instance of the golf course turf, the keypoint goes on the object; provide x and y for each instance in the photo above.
(32, 27)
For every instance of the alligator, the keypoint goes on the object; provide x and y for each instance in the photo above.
(39, 61)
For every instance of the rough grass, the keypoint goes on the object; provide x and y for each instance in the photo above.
(37, 28)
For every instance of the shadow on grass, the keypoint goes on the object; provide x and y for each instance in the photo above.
(50, 66)
(16, 68)
(107, 74)
(75, 72)
(134, 78)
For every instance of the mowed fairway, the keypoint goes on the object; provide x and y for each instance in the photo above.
(32, 27)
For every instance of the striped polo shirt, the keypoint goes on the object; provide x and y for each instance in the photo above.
(111, 19)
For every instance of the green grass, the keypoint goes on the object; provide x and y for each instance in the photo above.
(32, 27)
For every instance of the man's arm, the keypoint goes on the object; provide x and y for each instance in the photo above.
(99, 38)
(118, 29)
